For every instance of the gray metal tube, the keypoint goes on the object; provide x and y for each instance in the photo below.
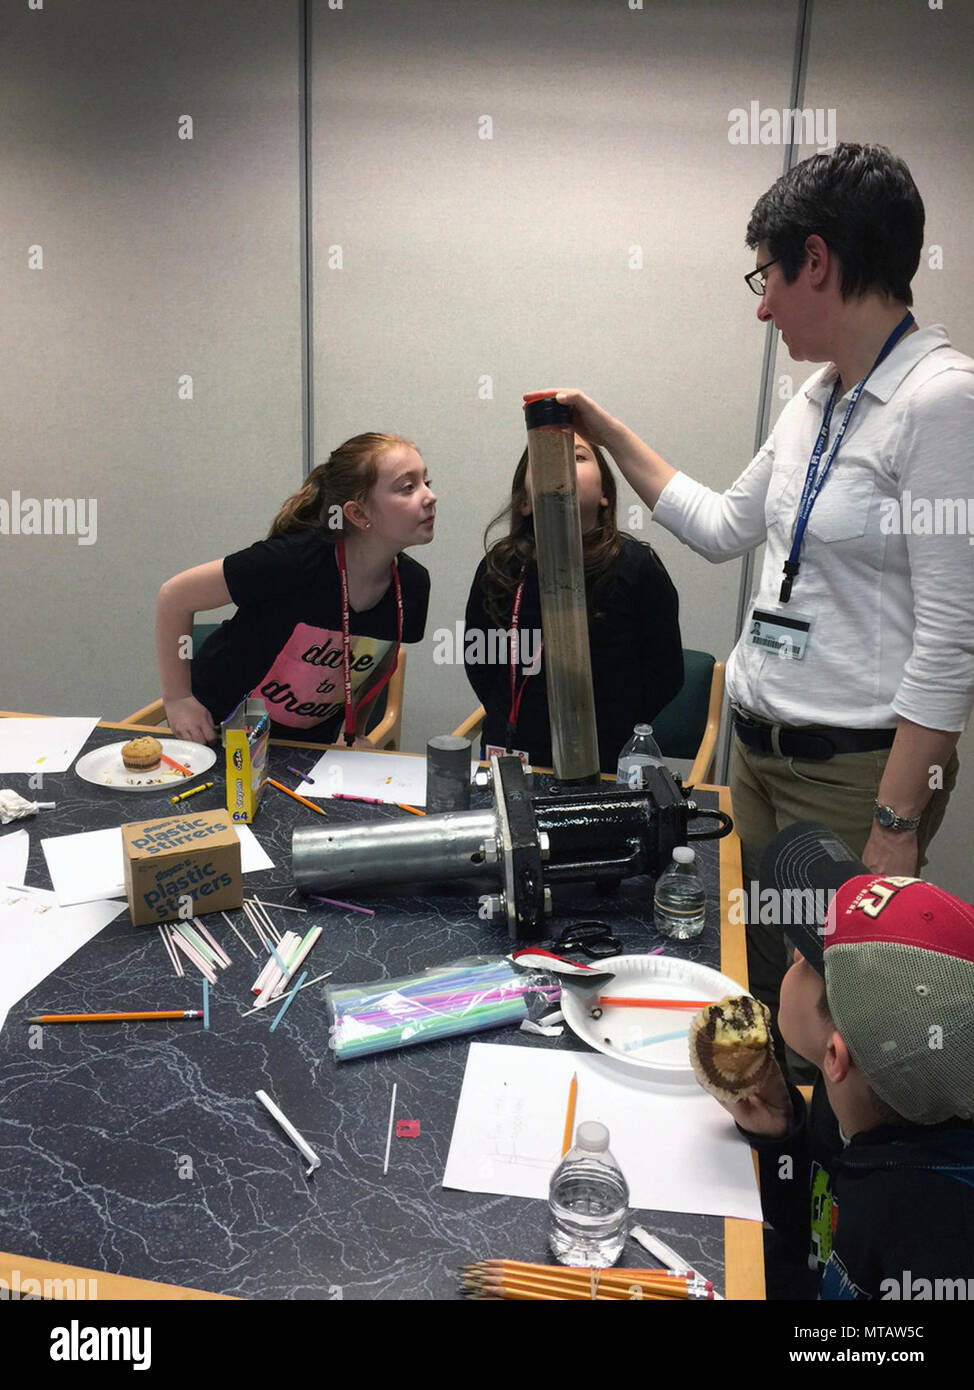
(414, 850)
(447, 774)
(561, 576)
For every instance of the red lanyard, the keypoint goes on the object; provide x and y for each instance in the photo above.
(512, 665)
(350, 705)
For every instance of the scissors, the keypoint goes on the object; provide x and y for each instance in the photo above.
(592, 938)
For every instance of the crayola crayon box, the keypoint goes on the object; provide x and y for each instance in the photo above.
(178, 858)
(245, 734)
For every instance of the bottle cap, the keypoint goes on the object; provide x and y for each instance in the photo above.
(543, 410)
(643, 729)
(683, 854)
(592, 1137)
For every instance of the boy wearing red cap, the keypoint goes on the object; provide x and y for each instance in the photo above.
(881, 1165)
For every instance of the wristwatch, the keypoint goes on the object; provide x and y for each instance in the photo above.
(889, 820)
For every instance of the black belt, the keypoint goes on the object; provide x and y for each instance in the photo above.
(816, 742)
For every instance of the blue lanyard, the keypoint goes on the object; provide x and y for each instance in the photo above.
(815, 481)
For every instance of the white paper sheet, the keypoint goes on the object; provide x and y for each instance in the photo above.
(390, 777)
(88, 867)
(42, 745)
(679, 1151)
(37, 936)
(14, 849)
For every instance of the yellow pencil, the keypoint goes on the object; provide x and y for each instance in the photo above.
(570, 1116)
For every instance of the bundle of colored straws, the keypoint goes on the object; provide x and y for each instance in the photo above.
(509, 1279)
(466, 997)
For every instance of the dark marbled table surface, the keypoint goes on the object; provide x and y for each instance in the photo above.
(101, 1125)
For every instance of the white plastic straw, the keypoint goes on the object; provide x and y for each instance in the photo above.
(221, 953)
(392, 1116)
(246, 944)
(169, 950)
(290, 1131)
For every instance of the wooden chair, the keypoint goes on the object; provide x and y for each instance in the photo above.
(386, 729)
(685, 728)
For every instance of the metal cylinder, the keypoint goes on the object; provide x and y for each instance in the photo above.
(561, 577)
(447, 774)
(414, 850)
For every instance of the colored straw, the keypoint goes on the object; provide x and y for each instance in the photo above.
(221, 953)
(178, 766)
(307, 985)
(206, 1003)
(444, 1003)
(695, 1004)
(659, 1037)
(334, 902)
(287, 1002)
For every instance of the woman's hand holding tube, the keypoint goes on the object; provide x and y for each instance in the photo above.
(644, 470)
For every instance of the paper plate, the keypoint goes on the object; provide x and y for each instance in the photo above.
(103, 767)
(623, 1033)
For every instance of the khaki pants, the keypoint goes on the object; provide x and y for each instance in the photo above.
(770, 793)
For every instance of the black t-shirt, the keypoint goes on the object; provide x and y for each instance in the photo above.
(636, 651)
(284, 644)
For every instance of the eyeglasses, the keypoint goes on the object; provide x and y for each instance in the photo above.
(757, 281)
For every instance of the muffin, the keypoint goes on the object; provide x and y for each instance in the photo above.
(142, 754)
(731, 1048)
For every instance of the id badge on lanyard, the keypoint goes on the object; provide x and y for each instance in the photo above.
(778, 633)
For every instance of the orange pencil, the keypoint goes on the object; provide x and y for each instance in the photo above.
(694, 1004)
(116, 1018)
(570, 1116)
(412, 809)
(178, 766)
(288, 792)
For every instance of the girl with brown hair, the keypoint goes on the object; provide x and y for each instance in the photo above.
(633, 610)
(322, 604)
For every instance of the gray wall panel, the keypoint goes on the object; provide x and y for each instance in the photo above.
(161, 257)
(509, 258)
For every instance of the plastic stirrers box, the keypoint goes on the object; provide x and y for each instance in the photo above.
(245, 735)
(178, 858)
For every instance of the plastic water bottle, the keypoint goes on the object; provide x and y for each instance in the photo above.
(588, 1202)
(680, 902)
(640, 752)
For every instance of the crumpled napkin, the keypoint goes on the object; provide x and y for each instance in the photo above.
(14, 807)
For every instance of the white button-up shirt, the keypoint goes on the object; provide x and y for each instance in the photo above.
(887, 564)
